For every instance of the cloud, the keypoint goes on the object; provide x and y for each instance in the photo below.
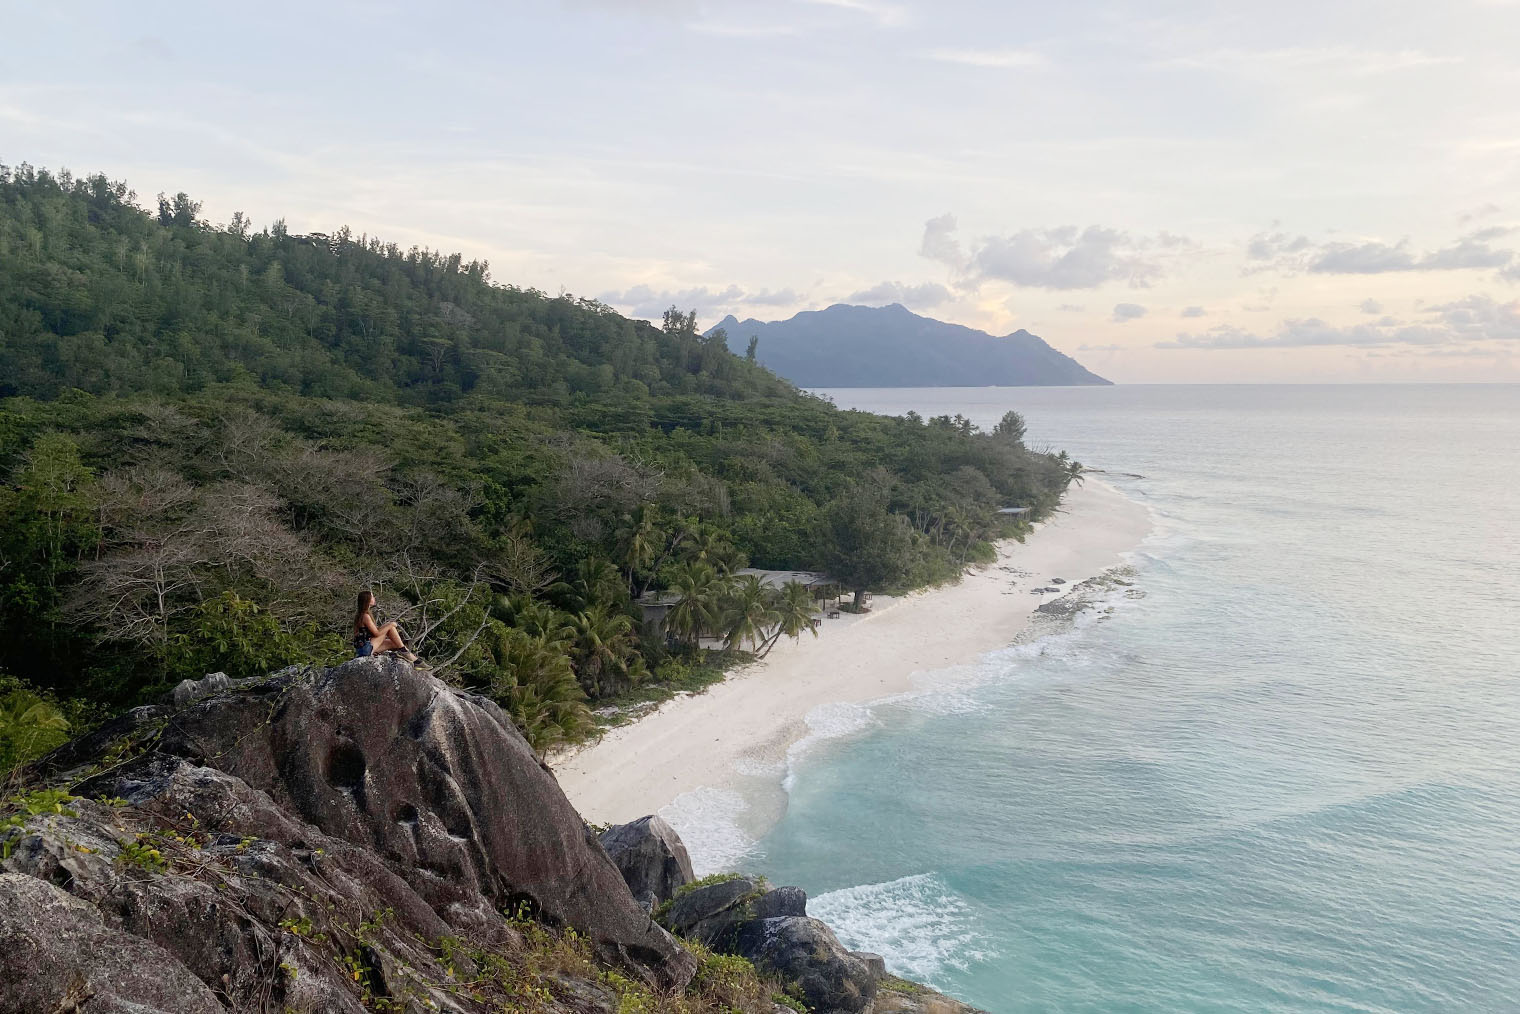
(1295, 61)
(656, 8)
(1195, 311)
(724, 30)
(1063, 258)
(1480, 318)
(884, 14)
(939, 243)
(1007, 59)
(1289, 253)
(1101, 348)
(644, 301)
(1302, 333)
(154, 48)
(1469, 252)
(765, 297)
(1482, 211)
(1128, 311)
(1492, 233)
(1071, 308)
(1371, 306)
(1474, 319)
(1361, 259)
(1473, 251)
(927, 294)
(1266, 246)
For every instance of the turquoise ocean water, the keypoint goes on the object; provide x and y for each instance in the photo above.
(1282, 774)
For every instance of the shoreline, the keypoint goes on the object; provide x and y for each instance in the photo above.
(735, 739)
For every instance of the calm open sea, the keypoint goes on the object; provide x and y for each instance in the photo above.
(1287, 778)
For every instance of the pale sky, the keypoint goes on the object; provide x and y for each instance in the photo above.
(1303, 190)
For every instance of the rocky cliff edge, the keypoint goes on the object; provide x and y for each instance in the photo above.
(359, 838)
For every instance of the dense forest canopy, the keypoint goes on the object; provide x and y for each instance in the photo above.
(212, 437)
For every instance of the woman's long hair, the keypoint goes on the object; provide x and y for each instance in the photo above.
(366, 599)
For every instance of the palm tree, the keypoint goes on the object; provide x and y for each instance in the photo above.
(795, 612)
(29, 726)
(642, 543)
(705, 543)
(750, 613)
(540, 619)
(699, 607)
(537, 687)
(966, 525)
(1074, 469)
(603, 644)
(596, 580)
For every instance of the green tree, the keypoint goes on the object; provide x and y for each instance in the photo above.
(533, 681)
(641, 544)
(30, 726)
(865, 546)
(604, 649)
(53, 503)
(749, 613)
(699, 608)
(795, 612)
(230, 634)
(596, 582)
(1010, 428)
(539, 619)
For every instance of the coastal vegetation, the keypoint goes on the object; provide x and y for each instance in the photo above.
(212, 436)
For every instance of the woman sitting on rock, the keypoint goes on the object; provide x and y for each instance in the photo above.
(370, 639)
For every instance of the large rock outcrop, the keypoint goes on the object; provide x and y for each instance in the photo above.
(58, 954)
(368, 809)
(771, 927)
(343, 840)
(651, 858)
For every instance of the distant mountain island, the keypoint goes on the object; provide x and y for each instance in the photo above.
(891, 346)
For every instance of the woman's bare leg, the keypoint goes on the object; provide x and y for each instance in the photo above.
(389, 639)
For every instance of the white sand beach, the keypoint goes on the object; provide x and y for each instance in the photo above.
(721, 739)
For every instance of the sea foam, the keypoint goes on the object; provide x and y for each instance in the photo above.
(707, 819)
(918, 924)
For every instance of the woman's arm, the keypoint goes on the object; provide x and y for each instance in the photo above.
(369, 625)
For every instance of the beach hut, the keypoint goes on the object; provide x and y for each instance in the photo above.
(823, 587)
(654, 607)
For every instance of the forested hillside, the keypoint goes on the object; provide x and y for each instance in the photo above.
(212, 437)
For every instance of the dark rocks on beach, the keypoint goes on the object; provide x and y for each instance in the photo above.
(708, 912)
(771, 928)
(1058, 580)
(803, 951)
(650, 856)
(897, 996)
(781, 901)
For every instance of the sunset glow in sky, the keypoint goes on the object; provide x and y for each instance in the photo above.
(1170, 191)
